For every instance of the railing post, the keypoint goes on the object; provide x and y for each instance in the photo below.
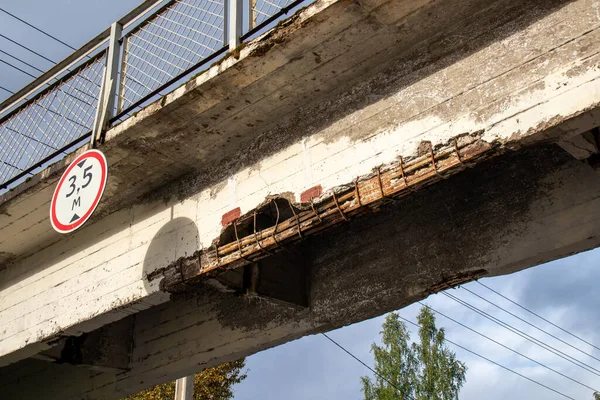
(225, 22)
(235, 23)
(123, 71)
(106, 98)
(251, 4)
(252, 14)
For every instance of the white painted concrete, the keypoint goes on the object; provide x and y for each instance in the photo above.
(513, 90)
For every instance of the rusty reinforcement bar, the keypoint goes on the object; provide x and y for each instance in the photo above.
(339, 205)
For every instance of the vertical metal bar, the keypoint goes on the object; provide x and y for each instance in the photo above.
(106, 99)
(225, 22)
(123, 72)
(99, 111)
(253, 14)
(235, 23)
(249, 19)
(112, 65)
(184, 388)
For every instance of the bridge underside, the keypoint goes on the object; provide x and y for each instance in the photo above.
(124, 302)
(506, 214)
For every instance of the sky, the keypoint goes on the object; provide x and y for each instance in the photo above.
(563, 291)
(73, 21)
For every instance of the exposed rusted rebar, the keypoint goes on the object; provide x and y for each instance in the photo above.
(397, 181)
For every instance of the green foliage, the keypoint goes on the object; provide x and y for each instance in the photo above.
(427, 370)
(395, 360)
(596, 396)
(210, 384)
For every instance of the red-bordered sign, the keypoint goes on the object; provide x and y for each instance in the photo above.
(79, 191)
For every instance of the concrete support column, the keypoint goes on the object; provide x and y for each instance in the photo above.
(184, 388)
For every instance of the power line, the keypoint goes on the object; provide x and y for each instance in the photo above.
(533, 340)
(357, 359)
(20, 60)
(508, 348)
(38, 29)
(530, 324)
(497, 364)
(31, 51)
(468, 350)
(524, 335)
(537, 315)
(9, 91)
(17, 68)
(33, 76)
(27, 48)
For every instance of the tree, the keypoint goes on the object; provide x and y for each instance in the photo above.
(596, 396)
(210, 384)
(427, 370)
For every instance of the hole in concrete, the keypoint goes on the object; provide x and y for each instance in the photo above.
(266, 217)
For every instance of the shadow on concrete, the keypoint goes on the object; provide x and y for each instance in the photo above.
(177, 238)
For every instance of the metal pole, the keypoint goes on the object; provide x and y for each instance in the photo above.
(99, 112)
(225, 22)
(235, 23)
(252, 14)
(251, 4)
(106, 99)
(112, 65)
(184, 388)
(123, 71)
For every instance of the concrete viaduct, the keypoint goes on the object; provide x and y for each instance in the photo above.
(357, 157)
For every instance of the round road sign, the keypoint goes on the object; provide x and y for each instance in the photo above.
(79, 191)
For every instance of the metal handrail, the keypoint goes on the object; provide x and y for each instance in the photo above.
(143, 70)
(52, 83)
(77, 56)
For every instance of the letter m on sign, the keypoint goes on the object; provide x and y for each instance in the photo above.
(76, 202)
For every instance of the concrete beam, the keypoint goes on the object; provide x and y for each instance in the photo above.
(516, 211)
(249, 99)
(106, 348)
(335, 92)
(581, 146)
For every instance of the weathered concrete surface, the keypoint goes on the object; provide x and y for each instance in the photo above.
(250, 107)
(342, 88)
(475, 226)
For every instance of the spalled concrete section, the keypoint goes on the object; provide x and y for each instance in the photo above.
(338, 90)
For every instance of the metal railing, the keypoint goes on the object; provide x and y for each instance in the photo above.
(54, 118)
(147, 52)
(262, 10)
(168, 44)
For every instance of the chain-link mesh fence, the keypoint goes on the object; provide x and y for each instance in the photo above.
(168, 44)
(262, 10)
(157, 52)
(59, 115)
